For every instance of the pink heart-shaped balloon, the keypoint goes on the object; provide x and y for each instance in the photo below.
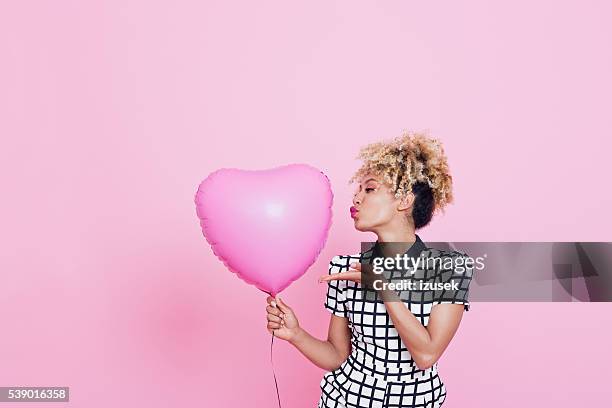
(267, 226)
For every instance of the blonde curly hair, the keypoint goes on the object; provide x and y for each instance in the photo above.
(408, 159)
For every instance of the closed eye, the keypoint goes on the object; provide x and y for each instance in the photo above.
(369, 189)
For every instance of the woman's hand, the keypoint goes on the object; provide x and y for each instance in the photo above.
(353, 274)
(282, 322)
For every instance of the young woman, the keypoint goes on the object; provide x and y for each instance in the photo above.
(383, 353)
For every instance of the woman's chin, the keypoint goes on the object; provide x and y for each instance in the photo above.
(359, 226)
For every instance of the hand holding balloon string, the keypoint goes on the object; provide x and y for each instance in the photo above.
(282, 321)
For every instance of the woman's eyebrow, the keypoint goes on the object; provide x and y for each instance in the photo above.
(370, 179)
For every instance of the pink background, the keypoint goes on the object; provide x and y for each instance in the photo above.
(112, 112)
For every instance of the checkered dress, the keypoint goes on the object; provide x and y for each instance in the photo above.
(380, 371)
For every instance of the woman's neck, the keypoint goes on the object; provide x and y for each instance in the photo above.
(403, 238)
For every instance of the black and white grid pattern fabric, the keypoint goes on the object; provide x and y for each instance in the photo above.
(380, 372)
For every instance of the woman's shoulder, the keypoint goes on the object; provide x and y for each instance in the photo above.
(341, 263)
(447, 263)
(443, 253)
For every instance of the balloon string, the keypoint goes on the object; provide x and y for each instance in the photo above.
(274, 374)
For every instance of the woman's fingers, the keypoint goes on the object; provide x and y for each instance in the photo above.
(352, 276)
(273, 310)
(280, 303)
(274, 318)
(274, 325)
(275, 315)
(271, 301)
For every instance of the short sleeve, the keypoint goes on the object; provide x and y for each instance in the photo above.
(460, 274)
(335, 300)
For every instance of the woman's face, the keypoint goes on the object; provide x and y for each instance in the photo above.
(374, 205)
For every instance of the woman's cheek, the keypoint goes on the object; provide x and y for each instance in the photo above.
(376, 217)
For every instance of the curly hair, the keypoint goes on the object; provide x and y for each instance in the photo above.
(411, 162)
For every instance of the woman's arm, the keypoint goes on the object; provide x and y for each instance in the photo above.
(327, 354)
(426, 344)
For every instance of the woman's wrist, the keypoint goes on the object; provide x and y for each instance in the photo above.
(389, 295)
(298, 336)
